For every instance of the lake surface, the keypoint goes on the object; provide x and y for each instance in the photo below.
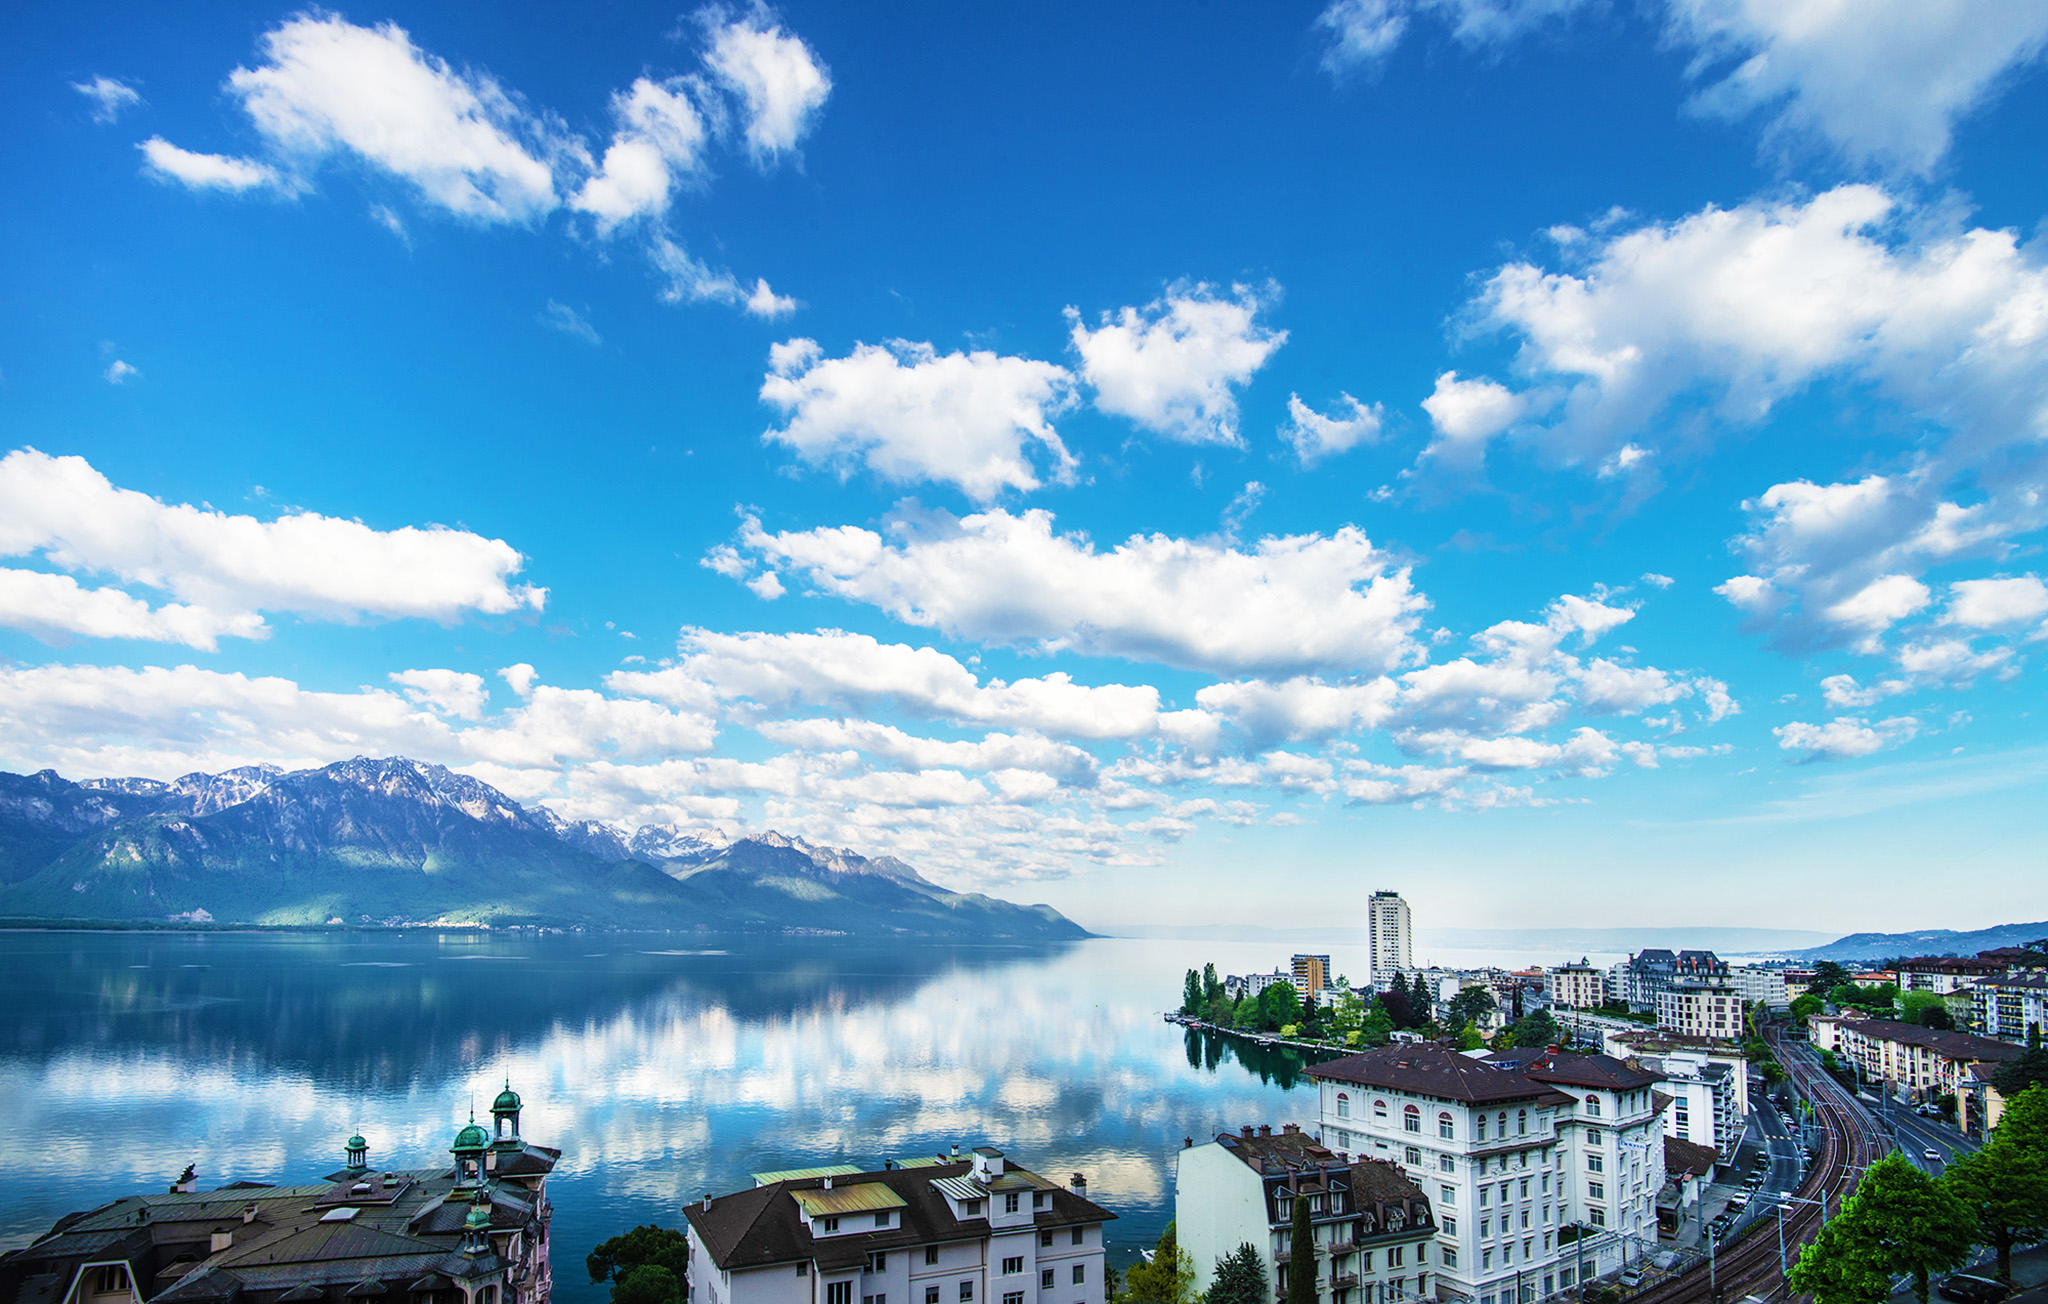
(663, 1067)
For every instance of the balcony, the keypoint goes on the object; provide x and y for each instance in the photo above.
(1344, 1281)
(1345, 1246)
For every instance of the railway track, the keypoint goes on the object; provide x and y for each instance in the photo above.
(1850, 1142)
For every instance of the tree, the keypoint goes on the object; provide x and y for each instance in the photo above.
(1926, 1009)
(1377, 1027)
(1240, 1278)
(1828, 975)
(1537, 1029)
(1301, 1256)
(1900, 1220)
(1168, 1279)
(1468, 1005)
(1279, 1004)
(1212, 986)
(647, 1244)
(1805, 1007)
(2005, 1185)
(1394, 1004)
(650, 1283)
(1191, 1001)
(2029, 1069)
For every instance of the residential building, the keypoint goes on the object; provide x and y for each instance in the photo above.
(1639, 979)
(1979, 1105)
(1759, 985)
(1911, 1061)
(1311, 974)
(1707, 1080)
(1544, 1165)
(2007, 1008)
(1942, 974)
(1388, 929)
(471, 1232)
(1580, 986)
(939, 1230)
(1701, 1008)
(1687, 1170)
(1373, 1227)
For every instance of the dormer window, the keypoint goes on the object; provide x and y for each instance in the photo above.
(882, 1219)
(971, 1208)
(829, 1224)
(1038, 1199)
(1010, 1202)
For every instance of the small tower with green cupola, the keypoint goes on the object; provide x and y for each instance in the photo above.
(505, 1118)
(470, 1144)
(476, 1227)
(358, 1155)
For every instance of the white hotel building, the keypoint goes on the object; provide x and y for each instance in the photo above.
(1543, 1166)
(941, 1230)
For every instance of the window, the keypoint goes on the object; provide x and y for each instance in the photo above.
(839, 1292)
(1010, 1202)
(1343, 1105)
(1507, 1252)
(1446, 1195)
(1593, 1106)
(1411, 1119)
(1482, 1195)
(1422, 1254)
(1546, 1181)
(1413, 1155)
(1449, 1256)
(1593, 1137)
(1525, 1188)
(1013, 1297)
(1365, 1261)
(1038, 1199)
(1080, 1236)
(1045, 1279)
(1080, 1274)
(931, 1295)
(882, 1219)
(109, 1279)
(1445, 1128)
(1446, 1164)
(803, 1269)
(931, 1255)
(1599, 1217)
(1045, 1240)
(1596, 1191)
(1481, 1120)
(1507, 1192)
(971, 1208)
(829, 1224)
(1013, 1265)
(966, 1293)
(1503, 1119)
(1379, 1109)
(1521, 1122)
(878, 1260)
(1565, 1277)
(1485, 1259)
(1525, 1220)
(1450, 1226)
(1594, 1163)
(1485, 1228)
(1394, 1256)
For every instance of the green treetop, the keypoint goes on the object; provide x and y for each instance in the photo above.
(1168, 1279)
(1899, 1221)
(645, 1266)
(1301, 1257)
(2005, 1185)
(1240, 1278)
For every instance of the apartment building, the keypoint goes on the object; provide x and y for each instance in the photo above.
(1639, 979)
(2007, 1007)
(1911, 1061)
(1542, 1163)
(1701, 1008)
(940, 1230)
(1759, 985)
(1372, 1224)
(1389, 930)
(1311, 974)
(1942, 974)
(1580, 986)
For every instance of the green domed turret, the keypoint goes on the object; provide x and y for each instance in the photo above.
(507, 1101)
(356, 1142)
(471, 1140)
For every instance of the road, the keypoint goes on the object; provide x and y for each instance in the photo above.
(1917, 1135)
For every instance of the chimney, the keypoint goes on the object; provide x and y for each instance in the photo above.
(1265, 1129)
(828, 1181)
(1246, 1131)
(1289, 1129)
(249, 1215)
(222, 1238)
(956, 1150)
(1187, 1143)
(1080, 1182)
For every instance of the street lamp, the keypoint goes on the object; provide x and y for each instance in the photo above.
(1783, 1265)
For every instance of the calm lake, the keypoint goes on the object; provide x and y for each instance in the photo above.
(663, 1067)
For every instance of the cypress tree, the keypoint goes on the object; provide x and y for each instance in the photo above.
(1301, 1256)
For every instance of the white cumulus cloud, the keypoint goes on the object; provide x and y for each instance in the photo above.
(1843, 738)
(167, 162)
(1175, 365)
(779, 82)
(659, 141)
(1314, 436)
(909, 413)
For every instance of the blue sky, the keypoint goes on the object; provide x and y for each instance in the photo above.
(1574, 463)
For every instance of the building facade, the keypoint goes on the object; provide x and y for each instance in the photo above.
(1311, 974)
(1389, 930)
(2008, 1007)
(1639, 979)
(1543, 1166)
(473, 1232)
(1760, 986)
(1911, 1061)
(1373, 1228)
(940, 1230)
(1701, 1008)
(1942, 974)
(1580, 986)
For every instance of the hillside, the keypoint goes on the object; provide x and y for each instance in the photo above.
(1937, 941)
(395, 840)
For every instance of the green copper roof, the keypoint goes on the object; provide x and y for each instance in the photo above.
(507, 1101)
(471, 1138)
(356, 1142)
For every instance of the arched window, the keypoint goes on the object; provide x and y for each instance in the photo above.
(1481, 1120)
(1343, 1105)
(1503, 1122)
(1411, 1119)
(1379, 1109)
(1593, 1106)
(1445, 1128)
(1521, 1122)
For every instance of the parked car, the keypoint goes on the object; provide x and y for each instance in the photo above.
(1967, 1289)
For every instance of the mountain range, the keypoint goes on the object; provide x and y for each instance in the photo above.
(1934, 941)
(392, 840)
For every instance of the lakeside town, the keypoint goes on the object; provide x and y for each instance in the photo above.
(1673, 1127)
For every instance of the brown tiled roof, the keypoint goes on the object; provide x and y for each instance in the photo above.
(1429, 1069)
(1568, 1068)
(762, 1226)
(1951, 1045)
(1681, 1155)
